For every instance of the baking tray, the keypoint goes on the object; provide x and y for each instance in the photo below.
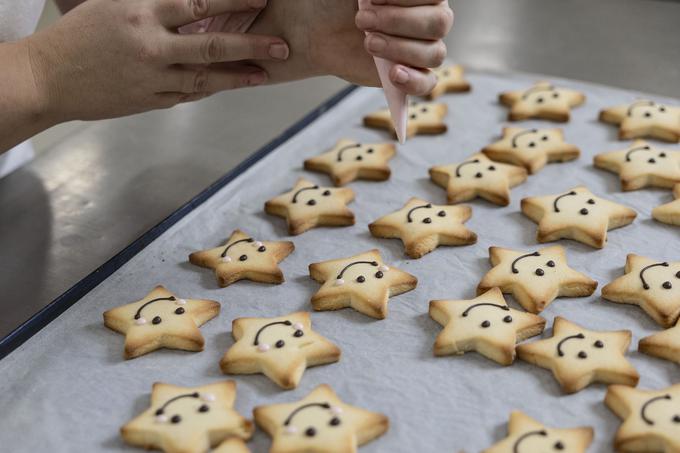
(68, 389)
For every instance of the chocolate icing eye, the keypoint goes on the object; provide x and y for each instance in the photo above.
(583, 211)
(279, 344)
(369, 150)
(485, 324)
(478, 175)
(590, 201)
(540, 272)
(556, 95)
(243, 257)
(441, 213)
(651, 160)
(550, 263)
(427, 220)
(204, 408)
(491, 168)
(179, 311)
(379, 274)
(311, 202)
(176, 419)
(359, 158)
(156, 320)
(662, 154)
(540, 100)
(413, 116)
(599, 344)
(582, 355)
(667, 285)
(361, 279)
(335, 421)
(424, 110)
(310, 432)
(677, 274)
(558, 445)
(676, 419)
(545, 138)
(647, 115)
(326, 193)
(298, 333)
(507, 319)
(262, 248)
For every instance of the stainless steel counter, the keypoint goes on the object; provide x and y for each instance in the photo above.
(106, 183)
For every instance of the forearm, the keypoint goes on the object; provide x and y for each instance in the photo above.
(67, 5)
(21, 113)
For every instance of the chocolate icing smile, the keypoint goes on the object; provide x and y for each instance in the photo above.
(345, 148)
(160, 413)
(280, 343)
(157, 319)
(310, 431)
(645, 285)
(643, 409)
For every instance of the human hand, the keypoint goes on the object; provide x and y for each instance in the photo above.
(106, 59)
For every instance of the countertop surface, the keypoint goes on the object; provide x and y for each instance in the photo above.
(103, 184)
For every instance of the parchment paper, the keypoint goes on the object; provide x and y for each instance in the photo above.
(68, 388)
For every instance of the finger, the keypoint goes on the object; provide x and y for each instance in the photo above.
(421, 22)
(417, 82)
(204, 48)
(175, 13)
(419, 54)
(212, 80)
(408, 2)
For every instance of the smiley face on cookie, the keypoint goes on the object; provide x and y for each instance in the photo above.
(543, 100)
(645, 118)
(423, 118)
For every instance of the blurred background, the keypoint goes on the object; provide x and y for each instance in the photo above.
(95, 187)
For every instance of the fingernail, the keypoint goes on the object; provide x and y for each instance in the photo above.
(366, 20)
(257, 78)
(257, 4)
(278, 51)
(376, 43)
(401, 76)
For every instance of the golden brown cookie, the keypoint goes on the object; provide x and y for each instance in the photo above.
(450, 79)
(161, 320)
(644, 118)
(651, 419)
(319, 423)
(663, 345)
(651, 284)
(362, 282)
(422, 226)
(670, 212)
(576, 214)
(531, 148)
(478, 176)
(578, 357)
(232, 445)
(535, 278)
(543, 100)
(642, 165)
(280, 348)
(308, 205)
(484, 324)
(349, 160)
(244, 258)
(423, 118)
(526, 435)
(188, 419)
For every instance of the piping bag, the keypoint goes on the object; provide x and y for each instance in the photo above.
(241, 22)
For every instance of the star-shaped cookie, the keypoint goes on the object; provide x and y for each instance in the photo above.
(308, 205)
(232, 445)
(651, 418)
(423, 118)
(670, 212)
(531, 148)
(280, 348)
(161, 320)
(664, 345)
(244, 258)
(644, 118)
(484, 324)
(423, 226)
(642, 165)
(652, 284)
(319, 423)
(526, 435)
(349, 160)
(362, 282)
(543, 100)
(576, 214)
(188, 419)
(535, 278)
(450, 79)
(478, 176)
(578, 357)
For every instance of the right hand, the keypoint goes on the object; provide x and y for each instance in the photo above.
(113, 58)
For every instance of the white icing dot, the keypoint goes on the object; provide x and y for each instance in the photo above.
(298, 326)
(226, 259)
(140, 321)
(339, 282)
(208, 397)
(263, 347)
(336, 410)
(181, 301)
(290, 429)
(257, 244)
(161, 418)
(383, 268)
